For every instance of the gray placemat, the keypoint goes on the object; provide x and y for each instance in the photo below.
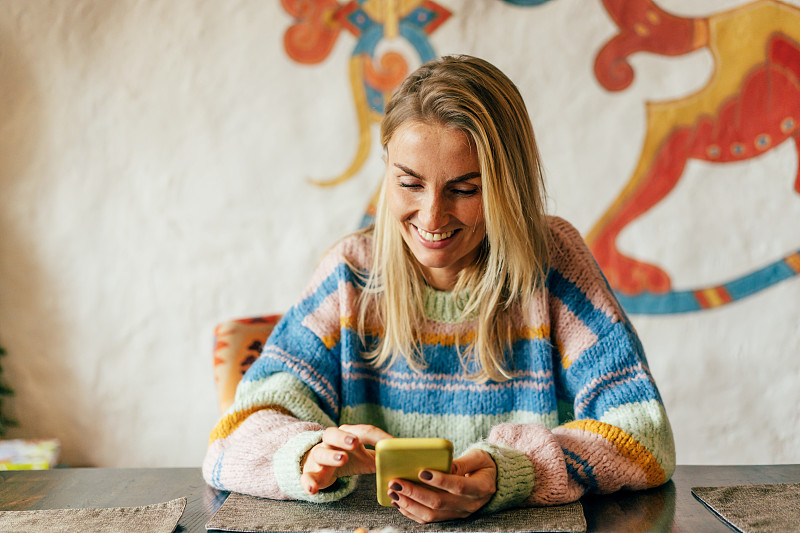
(157, 518)
(242, 513)
(754, 508)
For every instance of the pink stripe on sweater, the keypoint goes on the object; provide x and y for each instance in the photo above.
(572, 336)
(246, 455)
(552, 482)
(349, 366)
(325, 321)
(349, 250)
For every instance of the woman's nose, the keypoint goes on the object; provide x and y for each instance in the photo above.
(433, 213)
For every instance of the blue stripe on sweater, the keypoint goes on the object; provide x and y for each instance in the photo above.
(633, 388)
(315, 365)
(587, 477)
(621, 368)
(612, 352)
(577, 302)
(443, 390)
(438, 398)
(215, 474)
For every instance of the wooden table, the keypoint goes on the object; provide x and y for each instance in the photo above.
(668, 508)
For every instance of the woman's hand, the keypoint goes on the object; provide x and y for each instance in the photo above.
(440, 496)
(341, 453)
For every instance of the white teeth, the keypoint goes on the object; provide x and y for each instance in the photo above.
(434, 237)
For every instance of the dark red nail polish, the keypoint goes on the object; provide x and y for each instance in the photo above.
(394, 496)
(425, 475)
(396, 487)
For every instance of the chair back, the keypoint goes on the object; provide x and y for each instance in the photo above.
(237, 344)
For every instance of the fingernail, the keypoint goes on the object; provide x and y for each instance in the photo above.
(396, 487)
(339, 457)
(349, 440)
(394, 496)
(425, 475)
(395, 504)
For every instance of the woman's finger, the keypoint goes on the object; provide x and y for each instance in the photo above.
(338, 438)
(366, 434)
(326, 456)
(309, 483)
(472, 461)
(423, 513)
(477, 485)
(420, 494)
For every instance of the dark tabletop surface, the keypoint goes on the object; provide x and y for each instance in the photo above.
(668, 508)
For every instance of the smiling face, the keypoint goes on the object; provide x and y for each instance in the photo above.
(433, 189)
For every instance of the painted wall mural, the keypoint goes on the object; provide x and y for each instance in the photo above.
(373, 74)
(750, 105)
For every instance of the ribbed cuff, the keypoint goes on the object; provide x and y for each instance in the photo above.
(286, 465)
(515, 476)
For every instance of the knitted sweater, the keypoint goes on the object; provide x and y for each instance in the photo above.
(582, 413)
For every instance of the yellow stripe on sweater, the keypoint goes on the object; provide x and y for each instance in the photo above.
(443, 339)
(627, 446)
(346, 322)
(229, 423)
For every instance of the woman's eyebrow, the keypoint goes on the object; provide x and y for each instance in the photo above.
(466, 177)
(409, 171)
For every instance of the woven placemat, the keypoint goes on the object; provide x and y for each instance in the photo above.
(754, 508)
(158, 518)
(242, 513)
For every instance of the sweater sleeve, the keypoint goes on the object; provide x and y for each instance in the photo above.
(286, 399)
(257, 446)
(614, 433)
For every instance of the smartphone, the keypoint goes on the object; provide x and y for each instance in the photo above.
(405, 458)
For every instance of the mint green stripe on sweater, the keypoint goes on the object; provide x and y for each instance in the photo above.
(461, 430)
(284, 390)
(515, 476)
(444, 306)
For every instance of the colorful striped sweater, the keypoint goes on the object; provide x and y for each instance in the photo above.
(582, 413)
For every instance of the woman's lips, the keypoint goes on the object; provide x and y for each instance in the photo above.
(435, 240)
(434, 237)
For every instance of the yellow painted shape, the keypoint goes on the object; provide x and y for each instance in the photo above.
(794, 262)
(713, 297)
(364, 116)
(382, 11)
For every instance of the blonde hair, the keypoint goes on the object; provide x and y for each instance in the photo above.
(473, 96)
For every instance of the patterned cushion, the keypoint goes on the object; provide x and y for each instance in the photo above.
(237, 343)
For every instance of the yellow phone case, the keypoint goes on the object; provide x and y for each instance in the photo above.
(405, 458)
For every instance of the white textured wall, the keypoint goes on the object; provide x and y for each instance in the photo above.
(154, 165)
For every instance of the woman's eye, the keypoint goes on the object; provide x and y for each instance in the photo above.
(410, 185)
(465, 192)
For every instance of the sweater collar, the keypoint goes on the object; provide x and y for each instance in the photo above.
(443, 306)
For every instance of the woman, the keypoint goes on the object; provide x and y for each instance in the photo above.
(465, 313)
